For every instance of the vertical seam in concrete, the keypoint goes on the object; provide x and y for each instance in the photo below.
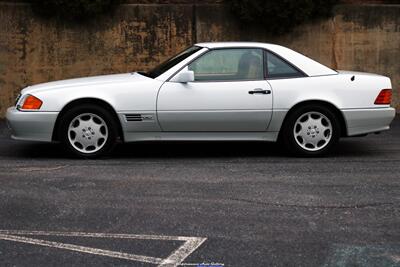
(334, 62)
(194, 23)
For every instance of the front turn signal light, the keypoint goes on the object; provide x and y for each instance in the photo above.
(31, 102)
(384, 97)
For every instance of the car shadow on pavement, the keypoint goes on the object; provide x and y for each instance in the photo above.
(168, 150)
(347, 147)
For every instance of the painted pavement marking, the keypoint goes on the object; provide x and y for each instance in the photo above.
(174, 259)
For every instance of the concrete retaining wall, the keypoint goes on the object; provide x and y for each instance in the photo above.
(138, 36)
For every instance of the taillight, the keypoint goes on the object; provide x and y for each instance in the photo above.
(31, 102)
(384, 97)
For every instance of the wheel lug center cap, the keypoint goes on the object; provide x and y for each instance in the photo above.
(313, 131)
(88, 132)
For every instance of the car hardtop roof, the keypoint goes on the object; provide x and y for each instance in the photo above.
(302, 62)
(212, 45)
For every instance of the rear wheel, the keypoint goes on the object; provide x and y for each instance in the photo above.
(88, 131)
(311, 131)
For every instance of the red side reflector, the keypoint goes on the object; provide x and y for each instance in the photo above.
(384, 97)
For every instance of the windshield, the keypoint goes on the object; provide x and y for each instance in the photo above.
(166, 65)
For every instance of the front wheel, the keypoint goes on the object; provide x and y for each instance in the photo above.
(88, 131)
(311, 131)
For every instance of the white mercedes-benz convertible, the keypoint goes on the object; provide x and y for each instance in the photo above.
(211, 91)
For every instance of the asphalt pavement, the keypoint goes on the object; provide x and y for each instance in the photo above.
(231, 204)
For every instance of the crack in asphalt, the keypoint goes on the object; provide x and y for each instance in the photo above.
(357, 206)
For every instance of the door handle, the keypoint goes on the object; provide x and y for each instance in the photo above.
(260, 91)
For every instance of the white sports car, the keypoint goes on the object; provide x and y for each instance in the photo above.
(211, 91)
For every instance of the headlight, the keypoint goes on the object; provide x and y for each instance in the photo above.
(29, 102)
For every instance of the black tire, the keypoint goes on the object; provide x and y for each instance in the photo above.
(109, 120)
(287, 136)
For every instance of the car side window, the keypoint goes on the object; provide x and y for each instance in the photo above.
(279, 68)
(229, 65)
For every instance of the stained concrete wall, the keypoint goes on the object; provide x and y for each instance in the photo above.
(138, 36)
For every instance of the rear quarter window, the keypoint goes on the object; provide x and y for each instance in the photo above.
(278, 68)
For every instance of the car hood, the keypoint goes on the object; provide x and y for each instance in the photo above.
(103, 79)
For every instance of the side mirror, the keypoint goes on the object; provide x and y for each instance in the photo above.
(184, 76)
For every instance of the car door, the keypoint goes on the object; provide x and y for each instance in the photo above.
(229, 94)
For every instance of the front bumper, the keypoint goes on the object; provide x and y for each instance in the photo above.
(32, 126)
(363, 121)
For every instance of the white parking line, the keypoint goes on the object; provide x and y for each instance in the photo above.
(174, 259)
(83, 249)
(179, 255)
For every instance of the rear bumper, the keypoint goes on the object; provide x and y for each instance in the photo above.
(32, 126)
(363, 121)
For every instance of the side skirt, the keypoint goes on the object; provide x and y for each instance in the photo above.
(201, 136)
